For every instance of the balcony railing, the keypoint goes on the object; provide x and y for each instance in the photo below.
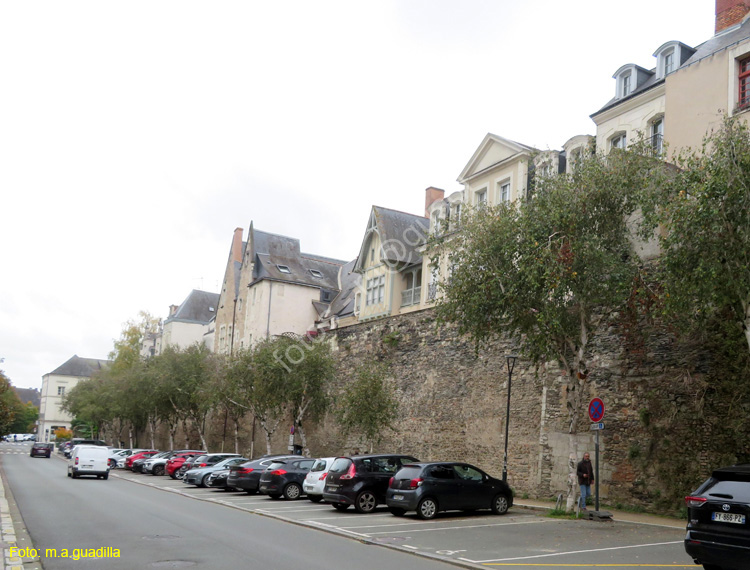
(411, 296)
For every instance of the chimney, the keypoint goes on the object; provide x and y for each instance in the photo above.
(173, 310)
(237, 245)
(432, 194)
(730, 13)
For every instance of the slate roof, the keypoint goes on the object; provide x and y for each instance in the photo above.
(401, 235)
(271, 251)
(349, 283)
(717, 43)
(198, 307)
(84, 367)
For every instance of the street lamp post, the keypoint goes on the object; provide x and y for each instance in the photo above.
(510, 360)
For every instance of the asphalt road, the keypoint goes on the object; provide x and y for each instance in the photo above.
(157, 529)
(158, 520)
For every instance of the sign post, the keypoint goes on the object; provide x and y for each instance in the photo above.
(596, 413)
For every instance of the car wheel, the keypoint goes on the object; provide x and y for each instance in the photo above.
(173, 476)
(396, 512)
(315, 498)
(69, 474)
(202, 482)
(105, 476)
(427, 508)
(274, 496)
(712, 567)
(251, 491)
(112, 463)
(366, 502)
(500, 504)
(158, 470)
(340, 506)
(292, 492)
(74, 475)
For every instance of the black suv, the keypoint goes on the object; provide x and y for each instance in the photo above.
(718, 529)
(285, 477)
(429, 488)
(362, 480)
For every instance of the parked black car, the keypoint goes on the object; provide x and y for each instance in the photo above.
(246, 477)
(138, 464)
(218, 480)
(429, 488)
(718, 528)
(41, 449)
(362, 480)
(284, 477)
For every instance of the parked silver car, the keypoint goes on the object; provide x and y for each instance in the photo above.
(213, 462)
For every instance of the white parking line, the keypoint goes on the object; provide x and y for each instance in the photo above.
(415, 522)
(289, 510)
(458, 527)
(489, 562)
(351, 516)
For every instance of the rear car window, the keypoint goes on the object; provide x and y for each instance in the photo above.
(409, 472)
(341, 465)
(736, 490)
(319, 465)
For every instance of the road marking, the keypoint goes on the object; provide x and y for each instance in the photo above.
(596, 565)
(419, 522)
(495, 561)
(458, 528)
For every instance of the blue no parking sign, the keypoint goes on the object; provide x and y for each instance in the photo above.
(596, 410)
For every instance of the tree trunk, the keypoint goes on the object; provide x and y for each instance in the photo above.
(237, 436)
(130, 436)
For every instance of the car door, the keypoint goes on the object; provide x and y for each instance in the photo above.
(472, 487)
(441, 482)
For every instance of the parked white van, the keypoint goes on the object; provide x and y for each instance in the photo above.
(89, 460)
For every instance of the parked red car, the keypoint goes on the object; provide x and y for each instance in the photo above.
(140, 455)
(174, 463)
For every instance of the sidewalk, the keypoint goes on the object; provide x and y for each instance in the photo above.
(621, 516)
(8, 533)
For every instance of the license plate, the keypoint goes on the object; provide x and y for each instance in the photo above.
(398, 497)
(263, 487)
(331, 487)
(728, 517)
(308, 488)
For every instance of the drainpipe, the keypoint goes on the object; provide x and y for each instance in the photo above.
(268, 320)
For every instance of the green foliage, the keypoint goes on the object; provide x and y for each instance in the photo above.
(10, 405)
(367, 405)
(548, 272)
(705, 212)
(26, 416)
(127, 349)
(391, 339)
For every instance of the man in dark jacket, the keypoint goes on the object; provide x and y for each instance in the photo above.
(585, 479)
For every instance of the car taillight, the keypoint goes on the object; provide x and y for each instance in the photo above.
(695, 502)
(414, 483)
(278, 472)
(322, 477)
(390, 482)
(244, 470)
(350, 473)
(76, 461)
(203, 465)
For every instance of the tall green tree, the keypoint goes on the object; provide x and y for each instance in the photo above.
(187, 376)
(367, 405)
(549, 271)
(9, 403)
(705, 214)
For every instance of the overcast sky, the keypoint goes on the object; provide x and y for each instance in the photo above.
(135, 136)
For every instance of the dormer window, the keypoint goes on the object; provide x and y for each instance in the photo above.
(316, 273)
(670, 56)
(668, 63)
(625, 88)
(283, 269)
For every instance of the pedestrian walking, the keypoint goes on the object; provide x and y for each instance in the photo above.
(585, 479)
